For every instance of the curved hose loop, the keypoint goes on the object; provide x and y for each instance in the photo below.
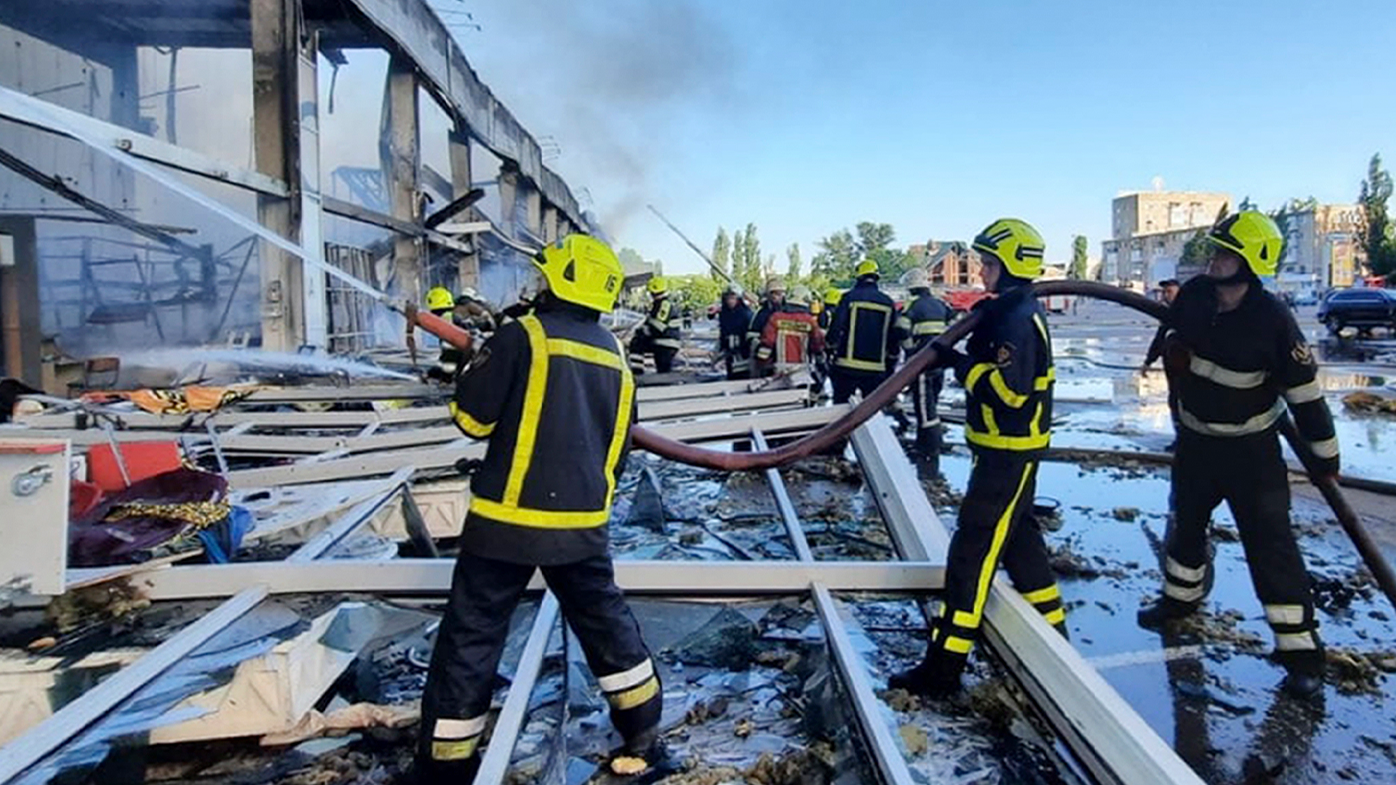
(886, 392)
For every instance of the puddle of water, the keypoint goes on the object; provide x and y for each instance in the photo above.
(1215, 702)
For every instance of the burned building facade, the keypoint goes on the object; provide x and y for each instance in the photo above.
(182, 173)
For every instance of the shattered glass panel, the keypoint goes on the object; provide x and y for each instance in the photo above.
(749, 693)
(145, 267)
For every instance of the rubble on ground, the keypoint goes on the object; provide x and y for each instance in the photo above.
(1367, 402)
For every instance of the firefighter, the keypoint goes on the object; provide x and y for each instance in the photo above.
(1007, 374)
(1235, 358)
(733, 321)
(552, 394)
(924, 318)
(831, 303)
(451, 360)
(774, 301)
(1168, 290)
(473, 313)
(791, 338)
(863, 337)
(659, 333)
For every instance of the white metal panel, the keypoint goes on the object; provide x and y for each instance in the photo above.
(33, 515)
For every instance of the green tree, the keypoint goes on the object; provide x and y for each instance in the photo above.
(837, 256)
(694, 293)
(722, 253)
(1246, 204)
(1079, 263)
(874, 236)
(1196, 252)
(793, 271)
(892, 263)
(1374, 232)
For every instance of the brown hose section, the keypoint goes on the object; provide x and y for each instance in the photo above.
(832, 433)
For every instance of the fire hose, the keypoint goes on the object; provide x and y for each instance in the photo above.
(886, 393)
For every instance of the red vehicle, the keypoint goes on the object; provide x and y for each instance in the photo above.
(964, 299)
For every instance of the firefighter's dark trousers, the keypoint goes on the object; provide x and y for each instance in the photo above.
(1249, 474)
(484, 594)
(664, 356)
(925, 396)
(996, 526)
(846, 382)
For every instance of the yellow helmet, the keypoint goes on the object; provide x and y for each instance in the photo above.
(582, 270)
(439, 299)
(866, 267)
(657, 285)
(832, 297)
(1016, 245)
(1253, 236)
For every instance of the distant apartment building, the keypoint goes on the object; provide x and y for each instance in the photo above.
(1321, 249)
(1148, 232)
(951, 263)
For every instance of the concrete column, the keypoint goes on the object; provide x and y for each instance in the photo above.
(550, 224)
(274, 84)
(20, 327)
(533, 215)
(509, 199)
(314, 297)
(404, 173)
(461, 181)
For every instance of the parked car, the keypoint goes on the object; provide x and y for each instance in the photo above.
(1358, 307)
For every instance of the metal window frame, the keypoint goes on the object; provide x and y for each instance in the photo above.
(1101, 729)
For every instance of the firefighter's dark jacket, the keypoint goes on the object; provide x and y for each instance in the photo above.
(733, 324)
(1235, 372)
(926, 317)
(662, 324)
(1008, 376)
(864, 334)
(758, 322)
(553, 395)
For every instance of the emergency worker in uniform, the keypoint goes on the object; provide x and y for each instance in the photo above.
(1008, 375)
(831, 304)
(553, 396)
(659, 334)
(473, 313)
(732, 323)
(923, 319)
(774, 301)
(863, 336)
(451, 360)
(791, 338)
(1236, 361)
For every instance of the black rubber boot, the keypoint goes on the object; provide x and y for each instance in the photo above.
(1164, 610)
(933, 678)
(928, 441)
(1302, 684)
(1305, 672)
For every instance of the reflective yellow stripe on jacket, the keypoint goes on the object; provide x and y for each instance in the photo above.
(542, 349)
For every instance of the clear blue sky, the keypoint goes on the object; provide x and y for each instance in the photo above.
(937, 117)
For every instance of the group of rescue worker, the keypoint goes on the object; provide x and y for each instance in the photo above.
(553, 394)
